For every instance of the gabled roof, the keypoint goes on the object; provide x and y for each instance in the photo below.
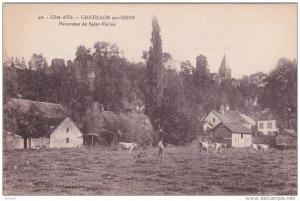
(229, 117)
(248, 119)
(54, 126)
(49, 110)
(235, 128)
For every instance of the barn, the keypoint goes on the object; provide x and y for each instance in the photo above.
(66, 135)
(233, 134)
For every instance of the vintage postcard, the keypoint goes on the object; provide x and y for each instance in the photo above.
(150, 99)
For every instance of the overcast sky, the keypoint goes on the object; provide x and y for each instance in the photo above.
(253, 37)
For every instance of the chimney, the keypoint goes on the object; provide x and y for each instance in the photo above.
(222, 109)
(227, 107)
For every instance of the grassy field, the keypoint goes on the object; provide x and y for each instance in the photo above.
(183, 171)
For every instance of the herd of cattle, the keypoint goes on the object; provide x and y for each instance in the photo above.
(203, 146)
(215, 146)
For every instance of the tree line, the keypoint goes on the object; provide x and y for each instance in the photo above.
(174, 100)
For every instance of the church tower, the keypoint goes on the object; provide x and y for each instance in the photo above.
(224, 70)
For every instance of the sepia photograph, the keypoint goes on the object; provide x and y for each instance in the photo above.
(132, 99)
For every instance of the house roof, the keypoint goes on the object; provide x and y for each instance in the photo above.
(7, 133)
(49, 110)
(229, 117)
(235, 128)
(57, 124)
(262, 116)
(248, 119)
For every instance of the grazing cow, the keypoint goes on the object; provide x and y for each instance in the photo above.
(263, 147)
(217, 146)
(253, 147)
(128, 146)
(204, 146)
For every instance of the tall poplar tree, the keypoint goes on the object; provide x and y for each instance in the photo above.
(154, 75)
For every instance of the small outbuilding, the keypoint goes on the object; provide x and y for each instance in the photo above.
(12, 141)
(233, 134)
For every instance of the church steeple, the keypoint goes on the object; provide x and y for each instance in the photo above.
(224, 63)
(224, 70)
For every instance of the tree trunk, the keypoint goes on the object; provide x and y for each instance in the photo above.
(92, 141)
(25, 142)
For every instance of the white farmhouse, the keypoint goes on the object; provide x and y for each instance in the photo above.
(266, 123)
(267, 126)
(66, 135)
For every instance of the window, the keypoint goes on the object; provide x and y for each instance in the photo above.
(67, 140)
(242, 136)
(261, 125)
(214, 120)
(67, 130)
(269, 125)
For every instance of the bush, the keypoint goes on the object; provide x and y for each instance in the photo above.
(130, 127)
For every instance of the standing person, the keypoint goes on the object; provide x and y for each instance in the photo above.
(160, 149)
(283, 147)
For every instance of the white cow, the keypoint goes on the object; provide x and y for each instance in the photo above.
(253, 147)
(263, 147)
(128, 146)
(204, 146)
(218, 146)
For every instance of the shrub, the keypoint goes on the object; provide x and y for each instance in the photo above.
(130, 127)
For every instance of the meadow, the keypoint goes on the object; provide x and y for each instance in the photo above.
(183, 171)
